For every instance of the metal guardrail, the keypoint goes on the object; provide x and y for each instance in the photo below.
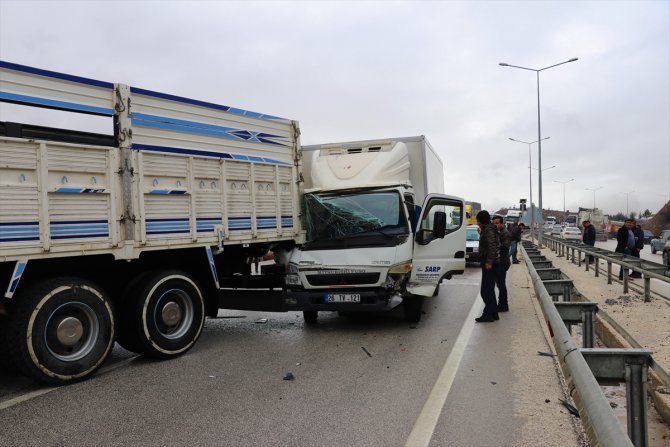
(601, 425)
(648, 269)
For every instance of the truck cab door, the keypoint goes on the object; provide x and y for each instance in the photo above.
(439, 243)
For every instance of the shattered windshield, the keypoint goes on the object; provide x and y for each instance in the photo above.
(352, 215)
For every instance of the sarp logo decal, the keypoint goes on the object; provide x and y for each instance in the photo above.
(432, 269)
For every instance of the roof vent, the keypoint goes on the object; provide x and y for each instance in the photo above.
(357, 150)
(375, 149)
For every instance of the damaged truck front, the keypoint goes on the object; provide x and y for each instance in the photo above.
(380, 233)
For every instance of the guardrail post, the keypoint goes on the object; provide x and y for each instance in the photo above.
(609, 272)
(596, 264)
(580, 312)
(631, 365)
(647, 289)
(579, 261)
(625, 279)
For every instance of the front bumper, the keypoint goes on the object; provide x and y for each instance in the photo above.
(371, 300)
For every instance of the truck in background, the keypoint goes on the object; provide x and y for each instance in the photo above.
(551, 220)
(598, 220)
(513, 216)
(471, 210)
(125, 236)
(379, 231)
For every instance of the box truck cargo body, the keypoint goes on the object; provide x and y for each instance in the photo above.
(124, 236)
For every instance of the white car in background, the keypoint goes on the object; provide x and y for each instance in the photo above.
(573, 233)
(472, 243)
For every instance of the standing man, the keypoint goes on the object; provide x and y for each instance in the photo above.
(515, 234)
(501, 274)
(489, 258)
(589, 237)
(625, 240)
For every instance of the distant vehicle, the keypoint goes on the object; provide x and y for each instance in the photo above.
(551, 220)
(556, 230)
(472, 243)
(659, 243)
(571, 220)
(599, 221)
(648, 236)
(471, 210)
(513, 216)
(573, 233)
(666, 255)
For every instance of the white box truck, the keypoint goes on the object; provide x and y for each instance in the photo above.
(124, 236)
(379, 231)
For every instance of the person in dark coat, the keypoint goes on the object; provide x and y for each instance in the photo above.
(501, 274)
(489, 258)
(625, 240)
(589, 237)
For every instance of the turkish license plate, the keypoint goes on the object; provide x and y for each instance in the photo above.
(343, 298)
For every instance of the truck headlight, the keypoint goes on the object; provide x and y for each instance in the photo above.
(401, 268)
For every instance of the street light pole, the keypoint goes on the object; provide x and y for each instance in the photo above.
(594, 194)
(539, 129)
(627, 193)
(530, 184)
(564, 183)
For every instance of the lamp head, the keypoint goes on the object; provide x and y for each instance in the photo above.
(574, 59)
(503, 64)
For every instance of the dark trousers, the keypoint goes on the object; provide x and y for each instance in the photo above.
(626, 252)
(590, 244)
(501, 277)
(488, 290)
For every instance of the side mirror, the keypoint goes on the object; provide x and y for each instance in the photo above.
(440, 225)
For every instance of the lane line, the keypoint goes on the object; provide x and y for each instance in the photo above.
(424, 427)
(37, 393)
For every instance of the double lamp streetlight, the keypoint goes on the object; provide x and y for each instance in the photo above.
(539, 131)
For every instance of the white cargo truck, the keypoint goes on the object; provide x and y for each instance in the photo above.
(379, 231)
(125, 236)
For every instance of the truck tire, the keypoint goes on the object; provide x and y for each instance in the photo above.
(653, 249)
(310, 316)
(60, 330)
(413, 306)
(166, 315)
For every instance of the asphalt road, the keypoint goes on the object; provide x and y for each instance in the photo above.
(359, 381)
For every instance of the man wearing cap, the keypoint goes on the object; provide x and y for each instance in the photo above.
(589, 237)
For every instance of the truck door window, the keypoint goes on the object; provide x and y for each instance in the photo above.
(453, 210)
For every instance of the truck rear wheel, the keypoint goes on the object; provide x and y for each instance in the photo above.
(60, 330)
(166, 315)
(413, 306)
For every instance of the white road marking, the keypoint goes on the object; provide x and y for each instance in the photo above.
(37, 393)
(425, 425)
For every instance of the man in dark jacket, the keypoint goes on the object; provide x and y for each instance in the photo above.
(625, 240)
(589, 237)
(489, 257)
(501, 274)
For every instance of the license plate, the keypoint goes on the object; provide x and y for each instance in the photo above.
(343, 298)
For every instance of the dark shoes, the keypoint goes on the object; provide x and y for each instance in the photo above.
(487, 319)
(503, 308)
(635, 275)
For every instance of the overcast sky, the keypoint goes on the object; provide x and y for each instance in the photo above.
(365, 70)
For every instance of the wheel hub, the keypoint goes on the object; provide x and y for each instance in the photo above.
(69, 331)
(171, 314)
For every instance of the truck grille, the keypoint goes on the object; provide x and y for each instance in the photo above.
(345, 279)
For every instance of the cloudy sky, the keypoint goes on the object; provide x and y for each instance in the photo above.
(364, 70)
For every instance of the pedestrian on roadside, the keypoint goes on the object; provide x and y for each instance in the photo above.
(515, 234)
(501, 275)
(625, 240)
(489, 258)
(639, 245)
(589, 237)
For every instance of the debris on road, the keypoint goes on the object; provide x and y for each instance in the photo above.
(546, 401)
(546, 354)
(571, 408)
(663, 389)
(494, 383)
(288, 376)
(366, 351)
(262, 320)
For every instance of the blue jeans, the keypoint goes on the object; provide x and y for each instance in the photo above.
(512, 251)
